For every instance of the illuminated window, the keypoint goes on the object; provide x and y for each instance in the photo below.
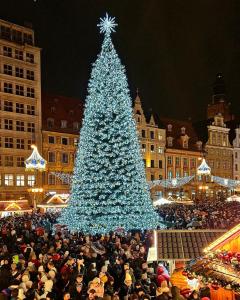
(143, 147)
(63, 124)
(20, 180)
(31, 180)
(183, 130)
(169, 174)
(8, 179)
(160, 150)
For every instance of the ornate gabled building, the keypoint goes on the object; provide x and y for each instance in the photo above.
(236, 155)
(219, 151)
(61, 119)
(183, 149)
(152, 141)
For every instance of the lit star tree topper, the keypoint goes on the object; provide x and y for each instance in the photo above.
(109, 188)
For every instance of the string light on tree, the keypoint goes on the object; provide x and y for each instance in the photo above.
(171, 183)
(109, 188)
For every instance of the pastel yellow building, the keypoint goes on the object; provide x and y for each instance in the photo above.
(152, 142)
(20, 108)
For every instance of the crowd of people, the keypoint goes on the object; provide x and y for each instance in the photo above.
(37, 262)
(207, 214)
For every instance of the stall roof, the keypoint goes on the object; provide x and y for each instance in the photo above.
(184, 244)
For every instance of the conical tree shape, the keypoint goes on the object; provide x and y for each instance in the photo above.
(109, 188)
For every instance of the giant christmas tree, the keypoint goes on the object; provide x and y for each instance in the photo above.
(109, 188)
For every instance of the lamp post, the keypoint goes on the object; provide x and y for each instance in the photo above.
(35, 163)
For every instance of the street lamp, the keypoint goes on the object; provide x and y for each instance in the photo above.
(35, 163)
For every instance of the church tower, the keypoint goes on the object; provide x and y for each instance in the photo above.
(219, 100)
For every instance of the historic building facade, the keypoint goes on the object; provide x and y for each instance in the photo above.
(152, 142)
(219, 152)
(236, 155)
(61, 118)
(20, 108)
(183, 149)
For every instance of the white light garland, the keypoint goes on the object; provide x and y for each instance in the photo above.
(228, 183)
(171, 183)
(64, 177)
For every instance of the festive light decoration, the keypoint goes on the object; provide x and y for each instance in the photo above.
(204, 168)
(35, 162)
(171, 183)
(109, 188)
(64, 177)
(228, 183)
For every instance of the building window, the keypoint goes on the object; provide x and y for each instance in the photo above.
(8, 87)
(65, 158)
(53, 109)
(143, 133)
(30, 57)
(51, 179)
(0, 160)
(30, 127)
(31, 180)
(183, 130)
(143, 147)
(8, 124)
(160, 165)
(152, 148)
(169, 160)
(236, 167)
(185, 162)
(63, 124)
(177, 173)
(177, 161)
(7, 51)
(236, 155)
(169, 141)
(51, 157)
(29, 144)
(199, 145)
(152, 177)
(19, 108)
(169, 127)
(8, 161)
(28, 38)
(185, 144)
(30, 92)
(160, 150)
(192, 163)
(19, 72)
(5, 32)
(20, 162)
(185, 173)
(169, 174)
(30, 75)
(19, 54)
(20, 180)
(151, 135)
(160, 177)
(51, 139)
(75, 141)
(75, 125)
(8, 179)
(213, 138)
(145, 162)
(31, 110)
(19, 125)
(8, 142)
(8, 106)
(20, 143)
(64, 141)
(16, 35)
(7, 69)
(19, 90)
(160, 137)
(50, 123)
(152, 163)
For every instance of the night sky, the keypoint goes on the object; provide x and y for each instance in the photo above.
(172, 50)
